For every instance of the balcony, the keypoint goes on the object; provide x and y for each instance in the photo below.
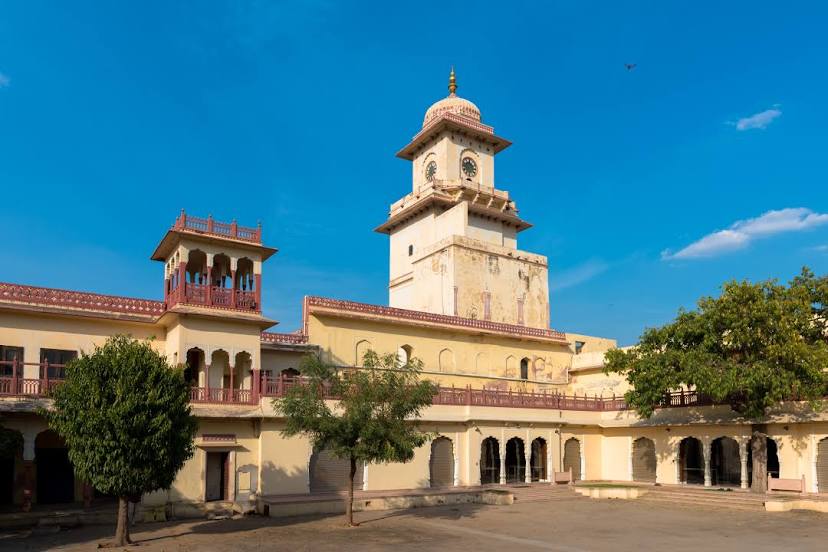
(13, 382)
(212, 227)
(214, 296)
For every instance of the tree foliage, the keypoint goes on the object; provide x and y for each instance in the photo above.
(373, 417)
(754, 346)
(125, 415)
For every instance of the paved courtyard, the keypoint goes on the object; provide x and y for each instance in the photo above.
(565, 525)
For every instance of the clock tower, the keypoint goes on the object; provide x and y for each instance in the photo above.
(453, 239)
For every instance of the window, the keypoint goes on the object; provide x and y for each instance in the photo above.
(579, 346)
(55, 356)
(8, 355)
(404, 354)
(487, 305)
(524, 368)
(520, 312)
(410, 250)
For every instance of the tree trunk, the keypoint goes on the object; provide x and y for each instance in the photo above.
(122, 529)
(759, 452)
(349, 504)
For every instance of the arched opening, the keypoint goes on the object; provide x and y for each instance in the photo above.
(8, 460)
(196, 271)
(55, 475)
(361, 348)
(446, 361)
(194, 365)
(245, 284)
(219, 367)
(404, 354)
(572, 458)
(441, 463)
(290, 373)
(511, 367)
(691, 461)
(644, 460)
(822, 466)
(241, 372)
(329, 474)
(222, 282)
(515, 461)
(537, 460)
(725, 465)
(489, 461)
(524, 368)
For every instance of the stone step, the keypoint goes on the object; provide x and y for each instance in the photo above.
(693, 501)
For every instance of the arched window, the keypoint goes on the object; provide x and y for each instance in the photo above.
(410, 250)
(446, 361)
(404, 354)
(362, 347)
(524, 368)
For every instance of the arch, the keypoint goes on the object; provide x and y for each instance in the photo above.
(193, 365)
(245, 279)
(481, 364)
(329, 474)
(524, 368)
(691, 461)
(822, 466)
(404, 354)
(511, 367)
(515, 461)
(219, 366)
(196, 272)
(220, 273)
(725, 465)
(644, 461)
(572, 457)
(537, 460)
(362, 347)
(771, 454)
(241, 372)
(539, 367)
(446, 361)
(55, 475)
(489, 461)
(441, 463)
(8, 460)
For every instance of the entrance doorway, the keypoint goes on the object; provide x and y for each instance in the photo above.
(441, 463)
(644, 460)
(489, 461)
(331, 474)
(217, 475)
(572, 458)
(725, 467)
(538, 460)
(691, 461)
(515, 461)
(55, 476)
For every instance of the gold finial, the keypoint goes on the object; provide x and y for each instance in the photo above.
(452, 82)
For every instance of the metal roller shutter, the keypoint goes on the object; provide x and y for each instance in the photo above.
(572, 458)
(441, 464)
(644, 460)
(822, 466)
(329, 474)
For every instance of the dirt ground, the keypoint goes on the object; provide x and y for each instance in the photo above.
(570, 525)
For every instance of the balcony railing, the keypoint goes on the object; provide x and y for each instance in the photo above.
(214, 296)
(13, 382)
(216, 228)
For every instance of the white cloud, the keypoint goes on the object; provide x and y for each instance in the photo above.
(4, 80)
(759, 120)
(577, 275)
(742, 232)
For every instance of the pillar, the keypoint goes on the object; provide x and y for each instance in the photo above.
(88, 494)
(182, 282)
(503, 465)
(527, 455)
(233, 287)
(258, 280)
(209, 294)
(27, 478)
(743, 460)
(455, 445)
(708, 480)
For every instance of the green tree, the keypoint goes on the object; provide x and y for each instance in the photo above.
(125, 415)
(373, 419)
(752, 347)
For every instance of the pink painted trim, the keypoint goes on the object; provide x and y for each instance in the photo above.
(79, 300)
(427, 317)
(290, 338)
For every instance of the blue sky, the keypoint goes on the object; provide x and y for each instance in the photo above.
(648, 188)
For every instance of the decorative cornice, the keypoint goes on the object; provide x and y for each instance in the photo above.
(427, 318)
(287, 338)
(79, 300)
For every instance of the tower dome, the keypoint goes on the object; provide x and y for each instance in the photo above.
(452, 104)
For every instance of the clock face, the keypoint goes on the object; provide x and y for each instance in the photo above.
(431, 171)
(469, 167)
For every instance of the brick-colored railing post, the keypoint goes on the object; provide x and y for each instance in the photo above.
(45, 381)
(234, 228)
(209, 224)
(15, 373)
(256, 390)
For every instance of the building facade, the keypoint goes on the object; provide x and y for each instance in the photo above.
(517, 400)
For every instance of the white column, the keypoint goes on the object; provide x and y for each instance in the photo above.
(503, 465)
(527, 455)
(365, 476)
(549, 458)
(708, 480)
(743, 459)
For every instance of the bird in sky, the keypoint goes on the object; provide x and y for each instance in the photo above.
(630, 66)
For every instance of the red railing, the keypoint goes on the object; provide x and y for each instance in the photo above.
(79, 300)
(222, 395)
(289, 338)
(14, 383)
(196, 294)
(428, 317)
(216, 228)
